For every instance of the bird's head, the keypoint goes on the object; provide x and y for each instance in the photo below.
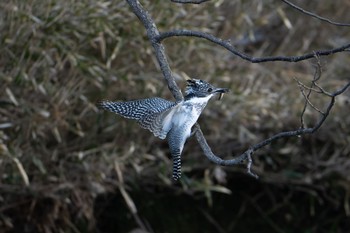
(200, 88)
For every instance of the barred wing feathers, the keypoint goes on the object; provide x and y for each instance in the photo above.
(159, 123)
(153, 114)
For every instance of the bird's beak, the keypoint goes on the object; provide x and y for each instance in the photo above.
(221, 91)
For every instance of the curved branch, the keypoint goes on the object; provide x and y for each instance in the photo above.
(190, 1)
(227, 45)
(153, 33)
(315, 15)
(247, 154)
(156, 38)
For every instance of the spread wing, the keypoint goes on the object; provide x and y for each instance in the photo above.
(159, 123)
(153, 114)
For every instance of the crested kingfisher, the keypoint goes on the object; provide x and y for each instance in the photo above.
(167, 119)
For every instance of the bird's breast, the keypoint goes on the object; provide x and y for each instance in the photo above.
(186, 115)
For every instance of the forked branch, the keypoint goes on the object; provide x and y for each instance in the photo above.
(227, 45)
(153, 33)
(298, 132)
(156, 39)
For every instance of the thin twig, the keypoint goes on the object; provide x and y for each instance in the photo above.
(307, 96)
(307, 101)
(323, 91)
(190, 1)
(249, 165)
(317, 76)
(245, 155)
(312, 89)
(315, 15)
(227, 45)
(302, 123)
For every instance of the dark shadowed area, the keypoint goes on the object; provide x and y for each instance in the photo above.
(66, 166)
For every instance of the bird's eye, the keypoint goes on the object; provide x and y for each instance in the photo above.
(210, 89)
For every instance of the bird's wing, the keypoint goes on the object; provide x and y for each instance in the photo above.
(136, 109)
(159, 123)
(153, 114)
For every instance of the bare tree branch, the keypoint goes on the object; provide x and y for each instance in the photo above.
(190, 1)
(153, 33)
(317, 76)
(156, 38)
(315, 15)
(248, 153)
(227, 45)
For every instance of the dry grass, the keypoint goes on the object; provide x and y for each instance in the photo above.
(58, 153)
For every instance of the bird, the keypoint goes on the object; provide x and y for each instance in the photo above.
(167, 119)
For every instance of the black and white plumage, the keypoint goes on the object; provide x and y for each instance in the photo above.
(167, 119)
(148, 113)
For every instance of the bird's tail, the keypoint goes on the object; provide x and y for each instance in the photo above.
(176, 166)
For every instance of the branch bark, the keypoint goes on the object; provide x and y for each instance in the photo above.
(227, 45)
(190, 1)
(153, 34)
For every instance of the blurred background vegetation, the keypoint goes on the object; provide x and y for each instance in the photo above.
(66, 167)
